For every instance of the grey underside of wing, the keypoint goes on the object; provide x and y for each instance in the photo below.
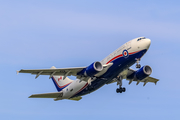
(150, 79)
(61, 71)
(46, 95)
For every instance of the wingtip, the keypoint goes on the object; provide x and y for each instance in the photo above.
(30, 96)
(17, 72)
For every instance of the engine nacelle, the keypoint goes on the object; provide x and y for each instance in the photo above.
(143, 72)
(93, 69)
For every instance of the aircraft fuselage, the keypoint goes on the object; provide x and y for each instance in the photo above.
(121, 59)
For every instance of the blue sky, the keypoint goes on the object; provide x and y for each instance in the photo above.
(41, 33)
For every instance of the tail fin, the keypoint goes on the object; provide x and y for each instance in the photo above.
(59, 82)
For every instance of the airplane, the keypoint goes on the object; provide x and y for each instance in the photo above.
(114, 68)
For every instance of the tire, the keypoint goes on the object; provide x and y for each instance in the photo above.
(120, 90)
(124, 89)
(137, 66)
(117, 90)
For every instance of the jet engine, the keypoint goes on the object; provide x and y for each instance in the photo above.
(143, 72)
(91, 70)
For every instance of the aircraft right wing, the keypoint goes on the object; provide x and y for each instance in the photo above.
(61, 71)
(53, 71)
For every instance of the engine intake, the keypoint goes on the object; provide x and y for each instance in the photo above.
(92, 70)
(143, 72)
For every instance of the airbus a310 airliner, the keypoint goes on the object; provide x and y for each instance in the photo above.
(114, 68)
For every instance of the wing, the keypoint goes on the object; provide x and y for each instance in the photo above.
(145, 81)
(130, 71)
(61, 71)
(53, 71)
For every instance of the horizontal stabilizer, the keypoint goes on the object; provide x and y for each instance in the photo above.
(76, 98)
(47, 95)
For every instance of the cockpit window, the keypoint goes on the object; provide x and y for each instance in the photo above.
(141, 38)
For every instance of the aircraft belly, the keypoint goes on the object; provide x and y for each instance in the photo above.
(118, 66)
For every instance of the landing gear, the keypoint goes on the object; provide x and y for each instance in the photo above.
(120, 90)
(138, 65)
(119, 82)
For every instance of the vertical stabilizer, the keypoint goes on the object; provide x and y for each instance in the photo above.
(60, 82)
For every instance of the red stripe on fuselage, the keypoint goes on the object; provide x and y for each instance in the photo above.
(120, 56)
(115, 58)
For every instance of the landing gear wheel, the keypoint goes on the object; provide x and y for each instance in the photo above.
(119, 82)
(124, 89)
(137, 61)
(117, 90)
(138, 66)
(120, 90)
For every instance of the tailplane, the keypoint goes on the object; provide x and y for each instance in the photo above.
(60, 82)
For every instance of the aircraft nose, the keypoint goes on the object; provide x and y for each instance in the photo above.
(148, 43)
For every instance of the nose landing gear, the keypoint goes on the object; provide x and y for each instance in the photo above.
(119, 82)
(138, 65)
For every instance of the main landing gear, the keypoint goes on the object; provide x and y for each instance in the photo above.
(138, 65)
(119, 82)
